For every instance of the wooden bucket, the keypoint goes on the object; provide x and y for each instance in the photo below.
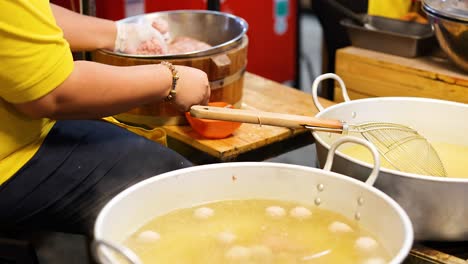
(225, 72)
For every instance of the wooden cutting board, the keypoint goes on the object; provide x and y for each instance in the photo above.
(258, 94)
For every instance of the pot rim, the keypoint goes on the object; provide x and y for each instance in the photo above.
(347, 22)
(319, 139)
(194, 54)
(406, 222)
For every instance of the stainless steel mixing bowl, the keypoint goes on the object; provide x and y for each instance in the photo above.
(451, 30)
(221, 30)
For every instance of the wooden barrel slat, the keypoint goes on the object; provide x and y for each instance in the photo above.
(224, 66)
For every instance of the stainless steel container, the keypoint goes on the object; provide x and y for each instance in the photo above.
(375, 211)
(392, 36)
(437, 206)
(224, 63)
(221, 30)
(449, 19)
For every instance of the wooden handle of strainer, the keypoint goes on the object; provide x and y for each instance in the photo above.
(262, 117)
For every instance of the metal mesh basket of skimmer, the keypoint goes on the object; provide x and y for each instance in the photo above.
(403, 147)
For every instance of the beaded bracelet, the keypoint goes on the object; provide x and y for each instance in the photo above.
(175, 77)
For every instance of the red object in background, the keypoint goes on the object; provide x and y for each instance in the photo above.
(73, 5)
(272, 51)
(110, 9)
(163, 5)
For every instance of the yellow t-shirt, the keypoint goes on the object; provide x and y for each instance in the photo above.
(34, 60)
(389, 8)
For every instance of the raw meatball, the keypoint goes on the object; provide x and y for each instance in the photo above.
(203, 213)
(339, 227)
(161, 25)
(148, 236)
(238, 253)
(300, 212)
(151, 47)
(375, 261)
(366, 243)
(275, 211)
(185, 44)
(226, 237)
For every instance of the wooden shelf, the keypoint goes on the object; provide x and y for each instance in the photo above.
(369, 73)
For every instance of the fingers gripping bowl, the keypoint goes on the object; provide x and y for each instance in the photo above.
(213, 128)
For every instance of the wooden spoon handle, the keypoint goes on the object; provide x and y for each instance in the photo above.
(262, 118)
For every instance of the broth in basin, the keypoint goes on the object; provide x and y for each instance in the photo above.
(253, 232)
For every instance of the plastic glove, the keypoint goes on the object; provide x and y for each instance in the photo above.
(139, 38)
(162, 26)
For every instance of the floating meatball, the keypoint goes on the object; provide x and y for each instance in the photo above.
(148, 236)
(238, 253)
(281, 243)
(261, 252)
(339, 227)
(375, 261)
(226, 237)
(275, 211)
(203, 213)
(366, 243)
(300, 212)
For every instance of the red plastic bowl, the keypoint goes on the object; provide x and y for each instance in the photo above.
(212, 128)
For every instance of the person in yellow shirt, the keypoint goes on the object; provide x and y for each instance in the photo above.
(58, 163)
(389, 8)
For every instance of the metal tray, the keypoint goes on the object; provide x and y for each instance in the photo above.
(392, 36)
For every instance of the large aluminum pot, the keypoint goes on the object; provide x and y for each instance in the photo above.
(189, 187)
(437, 206)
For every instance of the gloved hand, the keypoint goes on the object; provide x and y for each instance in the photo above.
(162, 26)
(139, 38)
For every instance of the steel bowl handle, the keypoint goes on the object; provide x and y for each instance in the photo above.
(103, 257)
(320, 79)
(375, 154)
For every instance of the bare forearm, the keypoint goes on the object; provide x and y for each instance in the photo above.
(85, 32)
(95, 90)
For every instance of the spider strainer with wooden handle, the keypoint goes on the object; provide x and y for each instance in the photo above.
(403, 147)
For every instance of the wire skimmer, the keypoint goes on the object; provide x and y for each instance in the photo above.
(403, 147)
